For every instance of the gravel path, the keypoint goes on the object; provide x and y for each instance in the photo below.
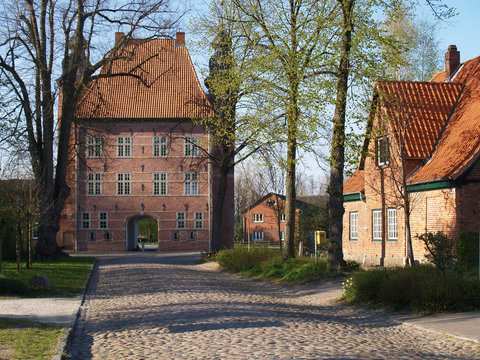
(164, 307)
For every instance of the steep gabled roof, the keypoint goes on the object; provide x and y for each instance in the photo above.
(423, 108)
(356, 183)
(459, 145)
(169, 87)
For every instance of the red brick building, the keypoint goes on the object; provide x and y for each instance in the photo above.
(436, 125)
(264, 221)
(138, 153)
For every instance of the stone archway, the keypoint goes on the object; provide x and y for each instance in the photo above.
(132, 231)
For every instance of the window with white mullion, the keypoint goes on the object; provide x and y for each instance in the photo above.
(124, 146)
(257, 236)
(123, 184)
(94, 184)
(103, 220)
(191, 146)
(377, 225)
(354, 225)
(257, 217)
(85, 220)
(198, 220)
(94, 146)
(392, 224)
(191, 184)
(160, 146)
(181, 220)
(160, 184)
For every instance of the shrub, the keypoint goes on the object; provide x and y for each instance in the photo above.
(241, 258)
(467, 250)
(440, 250)
(420, 288)
(11, 286)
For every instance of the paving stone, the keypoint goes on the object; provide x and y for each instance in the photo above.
(161, 307)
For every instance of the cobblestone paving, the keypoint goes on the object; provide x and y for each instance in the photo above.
(161, 307)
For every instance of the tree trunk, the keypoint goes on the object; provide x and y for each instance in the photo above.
(218, 213)
(290, 197)
(335, 253)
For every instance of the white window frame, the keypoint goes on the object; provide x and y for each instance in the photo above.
(34, 230)
(392, 224)
(160, 183)
(103, 220)
(383, 150)
(94, 184)
(198, 220)
(353, 225)
(282, 236)
(257, 218)
(124, 146)
(257, 235)
(191, 146)
(160, 146)
(282, 217)
(190, 183)
(181, 220)
(377, 225)
(124, 184)
(94, 146)
(85, 220)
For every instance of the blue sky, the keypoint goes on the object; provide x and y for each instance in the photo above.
(463, 30)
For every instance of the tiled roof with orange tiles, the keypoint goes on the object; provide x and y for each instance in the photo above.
(459, 145)
(169, 87)
(425, 108)
(355, 183)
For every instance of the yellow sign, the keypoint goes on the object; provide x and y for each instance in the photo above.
(320, 237)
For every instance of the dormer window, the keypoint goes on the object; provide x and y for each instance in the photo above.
(382, 151)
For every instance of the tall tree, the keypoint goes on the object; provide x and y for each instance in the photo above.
(335, 253)
(49, 47)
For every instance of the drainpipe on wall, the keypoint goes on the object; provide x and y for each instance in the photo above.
(210, 185)
(75, 203)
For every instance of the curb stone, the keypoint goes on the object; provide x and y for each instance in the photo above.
(66, 335)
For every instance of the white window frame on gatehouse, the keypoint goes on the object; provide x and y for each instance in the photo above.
(191, 146)
(181, 220)
(103, 220)
(124, 146)
(85, 220)
(257, 218)
(160, 183)
(160, 146)
(198, 220)
(257, 235)
(354, 226)
(124, 184)
(94, 146)
(94, 184)
(191, 183)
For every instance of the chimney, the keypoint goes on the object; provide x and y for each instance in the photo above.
(119, 38)
(452, 61)
(180, 39)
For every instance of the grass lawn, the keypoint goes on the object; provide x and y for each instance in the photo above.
(67, 275)
(20, 339)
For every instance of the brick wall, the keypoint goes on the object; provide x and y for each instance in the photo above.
(123, 210)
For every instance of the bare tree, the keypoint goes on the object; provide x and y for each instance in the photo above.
(49, 48)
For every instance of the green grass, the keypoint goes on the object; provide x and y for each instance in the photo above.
(20, 339)
(266, 264)
(420, 288)
(67, 275)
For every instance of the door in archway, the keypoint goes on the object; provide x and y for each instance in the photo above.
(142, 228)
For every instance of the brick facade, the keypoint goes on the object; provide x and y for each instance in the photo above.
(442, 162)
(146, 168)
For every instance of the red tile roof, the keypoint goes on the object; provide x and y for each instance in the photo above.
(459, 145)
(355, 183)
(425, 106)
(169, 87)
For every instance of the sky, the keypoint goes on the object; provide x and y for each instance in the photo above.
(463, 30)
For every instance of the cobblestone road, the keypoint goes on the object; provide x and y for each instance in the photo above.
(164, 307)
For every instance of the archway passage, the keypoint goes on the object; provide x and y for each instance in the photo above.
(142, 233)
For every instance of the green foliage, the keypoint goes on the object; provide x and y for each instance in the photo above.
(22, 339)
(467, 250)
(311, 219)
(440, 250)
(11, 286)
(241, 258)
(420, 288)
(265, 263)
(148, 229)
(208, 256)
(67, 275)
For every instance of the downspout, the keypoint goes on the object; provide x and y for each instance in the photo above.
(75, 211)
(210, 185)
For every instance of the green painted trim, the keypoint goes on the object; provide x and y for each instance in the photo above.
(431, 186)
(354, 239)
(377, 240)
(393, 240)
(352, 197)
